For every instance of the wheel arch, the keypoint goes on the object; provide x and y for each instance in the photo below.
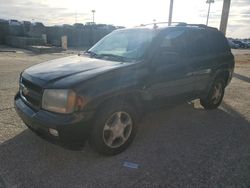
(225, 74)
(131, 99)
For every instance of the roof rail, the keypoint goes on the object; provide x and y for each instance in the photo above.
(162, 23)
(157, 23)
(198, 25)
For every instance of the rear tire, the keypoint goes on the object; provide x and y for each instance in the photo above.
(215, 95)
(114, 128)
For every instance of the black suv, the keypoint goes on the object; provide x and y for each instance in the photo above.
(100, 94)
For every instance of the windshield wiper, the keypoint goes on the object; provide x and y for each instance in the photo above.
(112, 56)
(92, 54)
(115, 57)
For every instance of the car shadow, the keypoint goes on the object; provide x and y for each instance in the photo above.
(185, 145)
(241, 77)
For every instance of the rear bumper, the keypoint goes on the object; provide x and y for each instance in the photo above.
(73, 129)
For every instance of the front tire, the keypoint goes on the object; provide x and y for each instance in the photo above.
(215, 95)
(114, 128)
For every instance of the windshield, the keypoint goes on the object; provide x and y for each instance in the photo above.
(128, 43)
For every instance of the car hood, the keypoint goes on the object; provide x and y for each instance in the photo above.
(69, 67)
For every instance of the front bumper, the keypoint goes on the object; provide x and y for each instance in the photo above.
(73, 129)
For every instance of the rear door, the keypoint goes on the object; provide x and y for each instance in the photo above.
(200, 57)
(171, 75)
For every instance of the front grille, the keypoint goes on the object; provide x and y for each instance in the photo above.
(31, 93)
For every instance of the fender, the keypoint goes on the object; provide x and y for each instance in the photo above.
(225, 69)
(124, 84)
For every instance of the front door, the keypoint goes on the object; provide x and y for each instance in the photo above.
(201, 58)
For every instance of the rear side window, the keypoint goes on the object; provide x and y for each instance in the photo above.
(198, 44)
(204, 42)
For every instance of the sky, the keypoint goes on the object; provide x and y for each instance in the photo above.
(128, 13)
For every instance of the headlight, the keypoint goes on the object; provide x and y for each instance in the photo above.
(59, 100)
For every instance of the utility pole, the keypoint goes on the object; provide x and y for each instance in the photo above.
(93, 12)
(170, 12)
(208, 12)
(224, 16)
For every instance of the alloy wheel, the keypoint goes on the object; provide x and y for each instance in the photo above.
(217, 93)
(117, 129)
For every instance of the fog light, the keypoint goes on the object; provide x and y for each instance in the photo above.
(53, 132)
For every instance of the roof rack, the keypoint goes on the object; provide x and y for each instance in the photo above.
(177, 24)
(162, 23)
(197, 25)
(157, 23)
